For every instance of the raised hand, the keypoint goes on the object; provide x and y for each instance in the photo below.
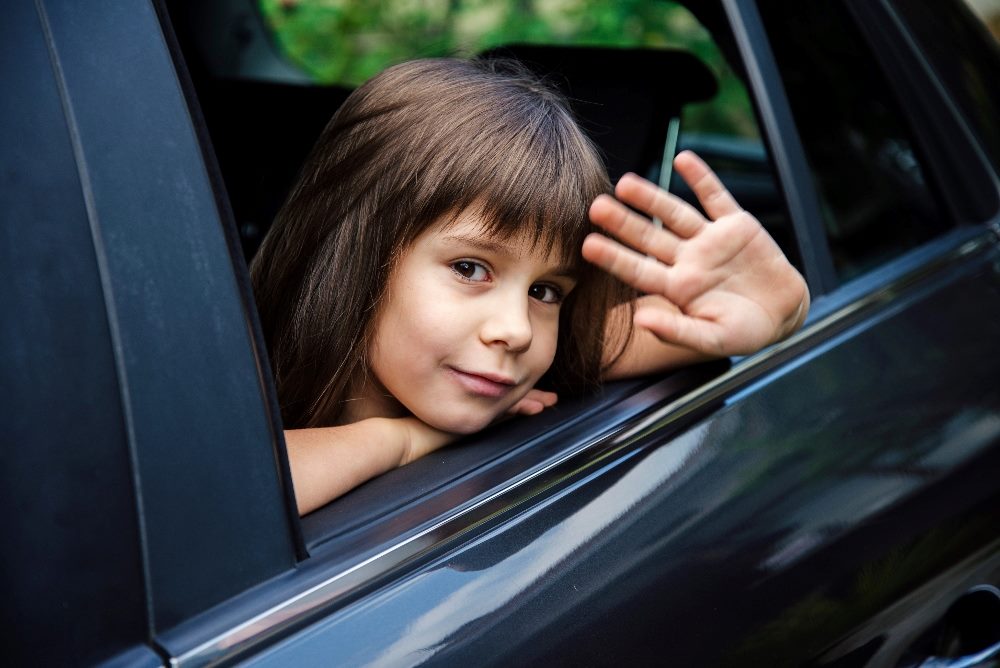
(733, 289)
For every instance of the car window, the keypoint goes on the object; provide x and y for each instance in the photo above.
(264, 108)
(966, 57)
(876, 196)
(347, 43)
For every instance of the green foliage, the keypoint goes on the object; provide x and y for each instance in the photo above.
(346, 42)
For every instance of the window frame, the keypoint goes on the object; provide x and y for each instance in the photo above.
(767, 92)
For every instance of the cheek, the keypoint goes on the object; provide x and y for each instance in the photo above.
(416, 326)
(424, 316)
(543, 346)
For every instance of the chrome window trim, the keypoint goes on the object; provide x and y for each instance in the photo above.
(310, 604)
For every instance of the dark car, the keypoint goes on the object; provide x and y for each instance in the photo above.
(833, 500)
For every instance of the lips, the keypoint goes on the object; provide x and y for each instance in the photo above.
(483, 384)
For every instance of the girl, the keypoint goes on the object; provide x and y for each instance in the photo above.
(426, 271)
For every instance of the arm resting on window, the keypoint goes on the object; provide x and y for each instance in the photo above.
(327, 462)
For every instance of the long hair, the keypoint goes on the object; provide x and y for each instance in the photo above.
(422, 140)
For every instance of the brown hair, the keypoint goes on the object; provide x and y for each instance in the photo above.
(422, 140)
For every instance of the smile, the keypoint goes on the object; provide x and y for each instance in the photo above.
(484, 385)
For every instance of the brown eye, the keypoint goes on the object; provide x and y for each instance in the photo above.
(470, 271)
(548, 294)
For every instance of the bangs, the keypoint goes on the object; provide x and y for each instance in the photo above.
(514, 155)
(545, 205)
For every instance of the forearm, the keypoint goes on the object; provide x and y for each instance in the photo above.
(327, 462)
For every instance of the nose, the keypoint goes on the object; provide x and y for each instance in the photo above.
(508, 323)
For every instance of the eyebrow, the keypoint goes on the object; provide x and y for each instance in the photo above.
(504, 248)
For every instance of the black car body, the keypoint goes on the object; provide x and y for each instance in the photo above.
(832, 500)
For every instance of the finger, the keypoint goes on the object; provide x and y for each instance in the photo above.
(527, 407)
(531, 407)
(548, 399)
(535, 401)
(545, 398)
(638, 270)
(676, 214)
(707, 187)
(635, 230)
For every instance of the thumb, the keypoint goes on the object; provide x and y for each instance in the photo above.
(676, 328)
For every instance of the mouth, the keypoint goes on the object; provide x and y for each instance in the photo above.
(483, 384)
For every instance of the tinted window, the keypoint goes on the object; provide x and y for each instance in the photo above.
(965, 57)
(873, 187)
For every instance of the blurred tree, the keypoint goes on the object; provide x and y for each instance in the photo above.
(345, 42)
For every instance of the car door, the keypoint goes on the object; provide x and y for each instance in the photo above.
(824, 501)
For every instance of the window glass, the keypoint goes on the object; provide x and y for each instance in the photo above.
(966, 57)
(346, 43)
(874, 192)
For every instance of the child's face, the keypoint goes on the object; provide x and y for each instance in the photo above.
(469, 326)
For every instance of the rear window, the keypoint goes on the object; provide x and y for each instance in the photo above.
(876, 198)
(965, 53)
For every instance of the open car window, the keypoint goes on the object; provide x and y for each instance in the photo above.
(266, 88)
(267, 82)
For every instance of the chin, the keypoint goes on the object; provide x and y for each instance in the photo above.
(460, 423)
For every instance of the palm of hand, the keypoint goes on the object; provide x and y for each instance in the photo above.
(734, 289)
(729, 289)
